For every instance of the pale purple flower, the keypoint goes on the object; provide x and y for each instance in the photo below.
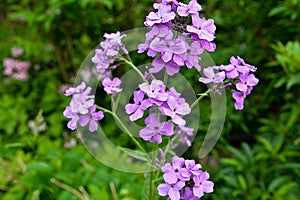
(155, 91)
(174, 172)
(193, 168)
(91, 118)
(110, 50)
(192, 8)
(81, 102)
(204, 29)
(16, 69)
(74, 90)
(163, 15)
(202, 185)
(155, 129)
(237, 67)
(72, 124)
(169, 48)
(184, 133)
(172, 190)
(211, 76)
(176, 110)
(207, 45)
(157, 31)
(171, 67)
(194, 182)
(111, 86)
(136, 109)
(192, 55)
(16, 52)
(246, 81)
(239, 98)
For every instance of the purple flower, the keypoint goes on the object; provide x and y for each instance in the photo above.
(171, 67)
(237, 68)
(239, 98)
(171, 189)
(193, 168)
(111, 86)
(169, 48)
(192, 55)
(157, 31)
(204, 29)
(16, 52)
(192, 8)
(136, 109)
(188, 194)
(163, 15)
(174, 172)
(16, 69)
(211, 76)
(91, 118)
(155, 129)
(176, 110)
(193, 181)
(246, 81)
(184, 133)
(74, 90)
(82, 108)
(72, 124)
(202, 185)
(110, 50)
(155, 91)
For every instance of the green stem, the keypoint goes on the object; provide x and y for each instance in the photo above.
(151, 189)
(201, 97)
(133, 67)
(125, 128)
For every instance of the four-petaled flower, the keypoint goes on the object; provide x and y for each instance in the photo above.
(155, 129)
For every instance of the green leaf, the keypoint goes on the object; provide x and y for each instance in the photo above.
(277, 182)
(295, 79)
(135, 153)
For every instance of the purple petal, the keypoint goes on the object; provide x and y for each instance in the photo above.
(93, 126)
(163, 189)
(130, 108)
(136, 115)
(174, 194)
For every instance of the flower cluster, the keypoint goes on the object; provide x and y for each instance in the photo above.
(166, 109)
(14, 68)
(104, 58)
(110, 50)
(168, 103)
(176, 52)
(82, 108)
(237, 73)
(184, 180)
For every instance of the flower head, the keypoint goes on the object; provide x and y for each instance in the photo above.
(155, 129)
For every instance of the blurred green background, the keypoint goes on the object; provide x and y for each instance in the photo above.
(257, 156)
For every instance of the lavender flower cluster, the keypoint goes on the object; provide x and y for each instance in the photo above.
(177, 37)
(82, 108)
(184, 180)
(237, 73)
(168, 103)
(15, 68)
(176, 52)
